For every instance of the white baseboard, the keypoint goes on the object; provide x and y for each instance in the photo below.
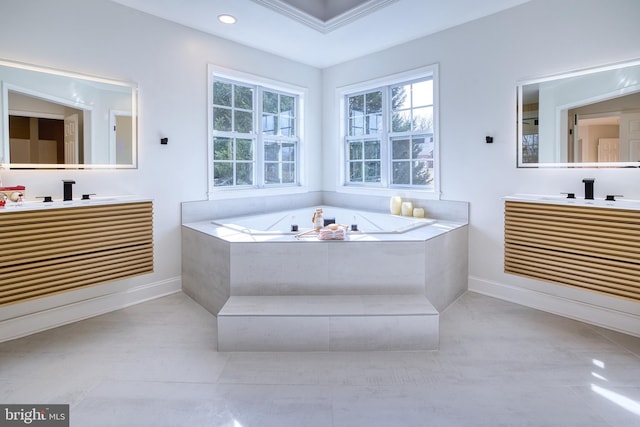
(620, 321)
(51, 318)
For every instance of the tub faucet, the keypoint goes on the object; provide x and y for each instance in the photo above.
(588, 188)
(67, 190)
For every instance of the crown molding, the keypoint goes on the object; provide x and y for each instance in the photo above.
(324, 27)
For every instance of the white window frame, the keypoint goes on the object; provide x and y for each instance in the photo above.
(384, 187)
(258, 187)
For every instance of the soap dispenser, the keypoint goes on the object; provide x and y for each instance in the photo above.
(318, 219)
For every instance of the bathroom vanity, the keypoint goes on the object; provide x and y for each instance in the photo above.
(588, 244)
(49, 248)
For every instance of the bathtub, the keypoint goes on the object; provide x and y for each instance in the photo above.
(259, 258)
(358, 222)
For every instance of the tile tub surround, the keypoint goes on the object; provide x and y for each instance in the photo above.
(428, 262)
(214, 269)
(431, 261)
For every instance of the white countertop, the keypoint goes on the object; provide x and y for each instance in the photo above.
(619, 203)
(57, 204)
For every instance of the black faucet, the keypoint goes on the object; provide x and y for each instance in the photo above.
(588, 188)
(67, 190)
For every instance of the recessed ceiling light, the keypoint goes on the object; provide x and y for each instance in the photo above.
(227, 19)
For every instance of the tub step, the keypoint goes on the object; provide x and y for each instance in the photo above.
(328, 323)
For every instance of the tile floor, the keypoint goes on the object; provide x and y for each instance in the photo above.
(499, 364)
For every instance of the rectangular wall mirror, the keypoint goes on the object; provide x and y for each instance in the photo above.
(587, 118)
(53, 119)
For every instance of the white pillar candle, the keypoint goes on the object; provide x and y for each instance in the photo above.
(407, 209)
(418, 212)
(395, 205)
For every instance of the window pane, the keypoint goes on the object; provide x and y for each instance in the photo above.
(374, 123)
(222, 149)
(287, 105)
(221, 119)
(244, 149)
(372, 171)
(356, 105)
(288, 173)
(271, 173)
(422, 149)
(270, 102)
(374, 102)
(400, 97)
(244, 98)
(269, 124)
(244, 121)
(222, 174)
(288, 152)
(222, 94)
(244, 173)
(400, 149)
(287, 125)
(271, 151)
(423, 93)
(355, 172)
(423, 118)
(355, 150)
(421, 174)
(401, 121)
(401, 173)
(356, 126)
(372, 150)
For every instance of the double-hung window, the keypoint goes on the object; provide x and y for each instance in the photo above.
(390, 134)
(255, 135)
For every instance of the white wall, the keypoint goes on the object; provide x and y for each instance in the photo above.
(480, 63)
(169, 63)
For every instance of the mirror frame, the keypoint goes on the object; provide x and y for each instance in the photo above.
(73, 77)
(632, 87)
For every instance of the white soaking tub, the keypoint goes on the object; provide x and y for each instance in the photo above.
(299, 221)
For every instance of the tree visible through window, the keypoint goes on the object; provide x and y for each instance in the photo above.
(255, 137)
(390, 137)
(411, 135)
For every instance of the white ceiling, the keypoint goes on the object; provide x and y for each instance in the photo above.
(262, 26)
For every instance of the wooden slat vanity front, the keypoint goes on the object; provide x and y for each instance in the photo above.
(594, 248)
(57, 249)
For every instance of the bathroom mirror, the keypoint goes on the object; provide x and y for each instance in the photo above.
(53, 119)
(586, 118)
